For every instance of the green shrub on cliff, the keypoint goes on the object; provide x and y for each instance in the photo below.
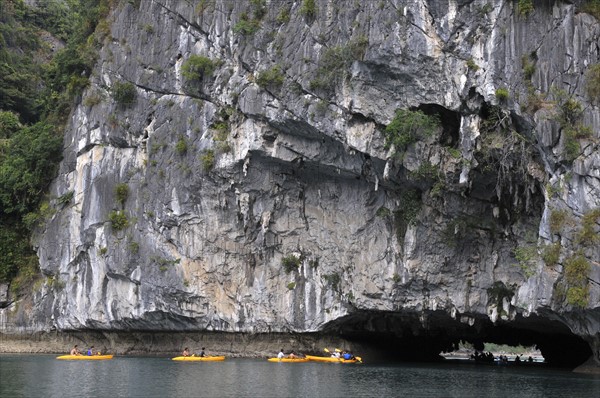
(290, 263)
(118, 220)
(208, 160)
(181, 147)
(578, 296)
(525, 7)
(526, 257)
(591, 7)
(589, 234)
(124, 93)
(308, 9)
(272, 77)
(557, 220)
(246, 26)
(577, 270)
(502, 94)
(335, 61)
(198, 67)
(408, 127)
(121, 193)
(593, 79)
(551, 254)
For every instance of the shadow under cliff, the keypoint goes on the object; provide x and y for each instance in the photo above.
(423, 336)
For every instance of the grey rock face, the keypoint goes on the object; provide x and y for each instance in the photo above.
(227, 178)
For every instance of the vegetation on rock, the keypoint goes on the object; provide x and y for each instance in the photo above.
(121, 193)
(290, 263)
(272, 77)
(593, 79)
(124, 93)
(198, 67)
(408, 127)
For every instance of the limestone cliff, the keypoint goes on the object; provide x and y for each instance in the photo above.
(260, 196)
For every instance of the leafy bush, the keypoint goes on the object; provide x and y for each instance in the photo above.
(335, 61)
(208, 160)
(578, 296)
(66, 198)
(408, 127)
(118, 220)
(557, 220)
(528, 67)
(333, 280)
(259, 8)
(181, 146)
(551, 254)
(15, 251)
(593, 77)
(525, 7)
(502, 94)
(308, 9)
(592, 7)
(9, 124)
(577, 269)
(410, 206)
(133, 247)
(426, 172)
(589, 233)
(246, 26)
(291, 285)
(472, 65)
(28, 166)
(124, 93)
(383, 212)
(198, 67)
(283, 16)
(272, 77)
(290, 263)
(526, 257)
(121, 193)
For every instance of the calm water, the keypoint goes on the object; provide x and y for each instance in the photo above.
(44, 376)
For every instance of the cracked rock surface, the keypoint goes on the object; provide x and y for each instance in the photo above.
(228, 178)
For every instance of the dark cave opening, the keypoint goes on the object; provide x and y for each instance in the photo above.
(450, 122)
(424, 336)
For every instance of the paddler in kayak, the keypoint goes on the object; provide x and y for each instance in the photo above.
(281, 354)
(186, 352)
(75, 350)
(90, 351)
(202, 353)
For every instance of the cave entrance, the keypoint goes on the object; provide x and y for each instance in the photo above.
(495, 353)
(423, 336)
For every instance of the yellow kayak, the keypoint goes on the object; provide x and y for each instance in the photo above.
(85, 357)
(288, 360)
(206, 359)
(332, 359)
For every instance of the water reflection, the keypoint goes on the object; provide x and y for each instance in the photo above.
(42, 375)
